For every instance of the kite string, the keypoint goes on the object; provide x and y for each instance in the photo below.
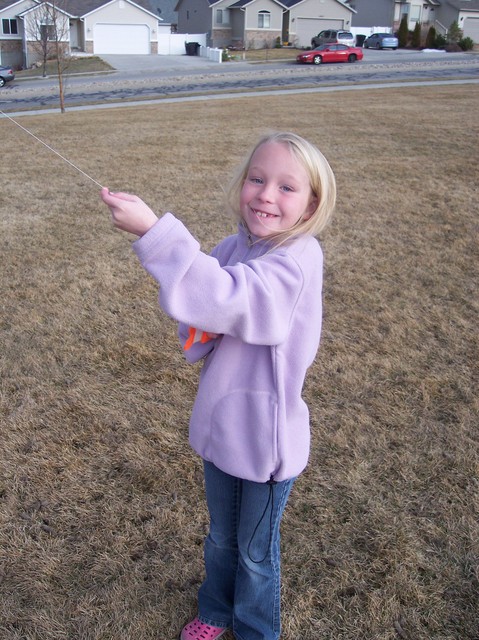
(51, 149)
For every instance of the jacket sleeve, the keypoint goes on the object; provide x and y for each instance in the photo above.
(253, 301)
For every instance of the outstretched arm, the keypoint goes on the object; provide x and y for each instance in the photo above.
(128, 212)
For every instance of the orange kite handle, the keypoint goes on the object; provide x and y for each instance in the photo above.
(195, 335)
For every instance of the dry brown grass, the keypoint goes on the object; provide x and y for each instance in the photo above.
(101, 511)
(263, 55)
(87, 64)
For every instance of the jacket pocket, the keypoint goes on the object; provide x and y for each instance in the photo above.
(244, 439)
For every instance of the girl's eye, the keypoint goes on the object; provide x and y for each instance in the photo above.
(256, 180)
(286, 188)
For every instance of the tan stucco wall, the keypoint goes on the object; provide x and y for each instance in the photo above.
(15, 9)
(112, 13)
(34, 19)
(275, 11)
(330, 10)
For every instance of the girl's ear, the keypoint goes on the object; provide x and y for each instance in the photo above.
(311, 208)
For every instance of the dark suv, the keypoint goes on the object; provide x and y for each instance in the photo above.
(333, 36)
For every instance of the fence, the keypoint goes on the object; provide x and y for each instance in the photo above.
(216, 55)
(367, 31)
(173, 44)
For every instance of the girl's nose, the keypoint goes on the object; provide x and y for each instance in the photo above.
(267, 193)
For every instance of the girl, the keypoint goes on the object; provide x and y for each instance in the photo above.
(252, 311)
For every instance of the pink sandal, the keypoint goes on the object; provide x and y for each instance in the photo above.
(197, 630)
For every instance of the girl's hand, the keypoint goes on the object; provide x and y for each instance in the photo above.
(128, 212)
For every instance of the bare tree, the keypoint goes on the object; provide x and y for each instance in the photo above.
(47, 29)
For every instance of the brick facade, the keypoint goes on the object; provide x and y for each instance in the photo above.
(255, 38)
(35, 53)
(12, 53)
(261, 39)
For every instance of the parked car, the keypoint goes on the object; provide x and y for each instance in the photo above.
(331, 53)
(381, 41)
(6, 74)
(333, 36)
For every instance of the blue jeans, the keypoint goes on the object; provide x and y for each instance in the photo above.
(242, 555)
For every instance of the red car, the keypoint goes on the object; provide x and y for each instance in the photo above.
(331, 53)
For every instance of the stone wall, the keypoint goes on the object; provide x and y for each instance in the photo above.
(221, 38)
(261, 39)
(35, 53)
(12, 54)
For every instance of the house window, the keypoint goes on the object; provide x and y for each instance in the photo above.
(264, 20)
(9, 26)
(222, 16)
(47, 32)
(415, 13)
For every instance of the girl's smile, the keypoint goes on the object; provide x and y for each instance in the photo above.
(276, 193)
(262, 214)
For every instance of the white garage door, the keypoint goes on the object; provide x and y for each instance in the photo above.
(121, 38)
(471, 29)
(307, 28)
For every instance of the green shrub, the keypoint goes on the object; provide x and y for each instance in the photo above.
(431, 38)
(416, 36)
(403, 32)
(455, 33)
(440, 41)
(466, 44)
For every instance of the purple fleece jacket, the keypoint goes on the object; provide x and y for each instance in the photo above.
(249, 418)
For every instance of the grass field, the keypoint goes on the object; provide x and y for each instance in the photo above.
(101, 501)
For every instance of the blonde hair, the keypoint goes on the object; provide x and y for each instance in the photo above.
(321, 180)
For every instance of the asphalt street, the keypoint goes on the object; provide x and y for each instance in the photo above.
(138, 78)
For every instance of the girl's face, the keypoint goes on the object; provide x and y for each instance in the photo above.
(276, 193)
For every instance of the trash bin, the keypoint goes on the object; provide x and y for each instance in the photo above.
(192, 48)
(360, 38)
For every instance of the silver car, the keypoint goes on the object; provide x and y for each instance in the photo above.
(333, 36)
(381, 41)
(6, 74)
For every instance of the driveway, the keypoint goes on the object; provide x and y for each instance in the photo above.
(166, 65)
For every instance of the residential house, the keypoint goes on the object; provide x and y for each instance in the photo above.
(306, 18)
(465, 13)
(439, 14)
(165, 9)
(255, 24)
(93, 26)
(11, 32)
